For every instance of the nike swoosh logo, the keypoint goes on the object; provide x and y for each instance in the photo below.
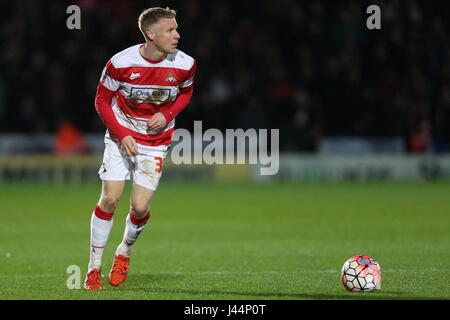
(134, 75)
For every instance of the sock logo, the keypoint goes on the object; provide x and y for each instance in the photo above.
(94, 247)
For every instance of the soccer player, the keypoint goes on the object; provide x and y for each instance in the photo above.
(141, 91)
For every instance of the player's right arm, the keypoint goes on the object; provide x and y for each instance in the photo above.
(106, 89)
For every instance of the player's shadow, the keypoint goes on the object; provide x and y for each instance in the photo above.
(158, 284)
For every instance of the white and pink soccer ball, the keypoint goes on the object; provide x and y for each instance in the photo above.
(361, 273)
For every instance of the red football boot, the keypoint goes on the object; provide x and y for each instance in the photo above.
(93, 280)
(119, 270)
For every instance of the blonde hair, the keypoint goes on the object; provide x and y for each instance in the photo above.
(152, 15)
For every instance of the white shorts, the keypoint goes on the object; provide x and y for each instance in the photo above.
(145, 168)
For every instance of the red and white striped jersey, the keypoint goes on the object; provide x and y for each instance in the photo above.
(133, 88)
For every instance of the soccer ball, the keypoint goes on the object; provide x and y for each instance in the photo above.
(361, 273)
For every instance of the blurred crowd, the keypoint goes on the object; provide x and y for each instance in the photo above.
(310, 68)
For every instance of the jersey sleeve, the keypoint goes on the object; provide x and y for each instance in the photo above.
(106, 89)
(110, 77)
(189, 81)
(183, 99)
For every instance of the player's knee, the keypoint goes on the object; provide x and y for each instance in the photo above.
(139, 210)
(109, 202)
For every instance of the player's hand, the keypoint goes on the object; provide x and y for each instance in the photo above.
(157, 123)
(129, 146)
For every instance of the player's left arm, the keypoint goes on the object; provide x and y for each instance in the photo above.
(160, 120)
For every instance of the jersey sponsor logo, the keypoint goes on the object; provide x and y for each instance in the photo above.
(135, 75)
(149, 94)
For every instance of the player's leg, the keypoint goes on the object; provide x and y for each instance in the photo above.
(102, 219)
(136, 221)
(137, 217)
(101, 225)
(113, 172)
(146, 175)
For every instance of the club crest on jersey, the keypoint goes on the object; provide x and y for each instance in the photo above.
(171, 78)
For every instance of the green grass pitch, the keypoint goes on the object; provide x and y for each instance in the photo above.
(233, 241)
